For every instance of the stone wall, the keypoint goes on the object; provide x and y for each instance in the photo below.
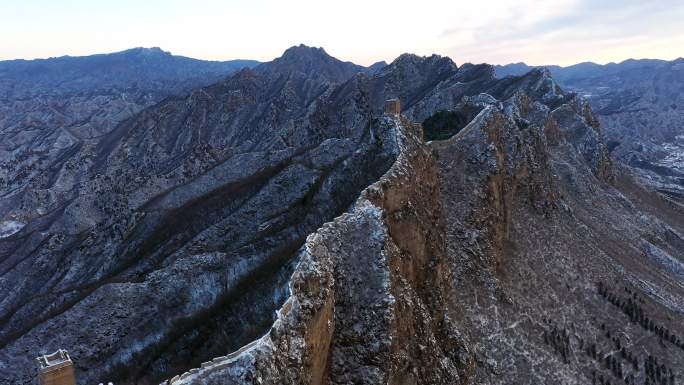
(363, 307)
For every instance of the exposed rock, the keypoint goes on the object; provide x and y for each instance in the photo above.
(183, 218)
(276, 227)
(50, 109)
(504, 253)
(366, 303)
(638, 104)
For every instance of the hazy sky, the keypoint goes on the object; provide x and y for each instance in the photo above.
(364, 31)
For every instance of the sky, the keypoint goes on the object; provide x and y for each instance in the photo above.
(560, 32)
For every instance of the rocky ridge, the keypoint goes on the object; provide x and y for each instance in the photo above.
(638, 103)
(508, 252)
(187, 187)
(50, 109)
(484, 235)
(359, 308)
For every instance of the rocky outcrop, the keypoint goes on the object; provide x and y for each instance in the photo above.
(537, 228)
(638, 103)
(168, 222)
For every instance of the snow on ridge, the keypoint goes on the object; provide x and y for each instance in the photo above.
(9, 228)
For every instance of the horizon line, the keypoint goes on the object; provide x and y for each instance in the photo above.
(296, 45)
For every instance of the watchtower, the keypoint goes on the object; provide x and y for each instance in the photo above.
(56, 369)
(393, 106)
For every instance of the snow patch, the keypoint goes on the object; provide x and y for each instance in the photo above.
(8, 228)
(675, 157)
(662, 258)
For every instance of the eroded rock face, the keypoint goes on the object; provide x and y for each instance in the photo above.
(367, 300)
(638, 103)
(537, 228)
(170, 240)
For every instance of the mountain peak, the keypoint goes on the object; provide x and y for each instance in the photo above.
(145, 52)
(412, 63)
(375, 67)
(311, 61)
(409, 59)
(304, 50)
(541, 71)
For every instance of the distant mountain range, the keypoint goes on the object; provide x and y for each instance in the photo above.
(48, 106)
(587, 69)
(142, 66)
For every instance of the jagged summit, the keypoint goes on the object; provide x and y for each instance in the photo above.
(410, 65)
(144, 51)
(409, 59)
(541, 71)
(476, 71)
(423, 72)
(375, 67)
(311, 61)
(304, 50)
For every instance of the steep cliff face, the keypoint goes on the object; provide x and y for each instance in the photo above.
(367, 302)
(538, 232)
(170, 240)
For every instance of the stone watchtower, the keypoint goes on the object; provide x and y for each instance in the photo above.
(56, 369)
(393, 106)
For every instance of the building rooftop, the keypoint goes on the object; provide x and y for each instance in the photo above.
(55, 360)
